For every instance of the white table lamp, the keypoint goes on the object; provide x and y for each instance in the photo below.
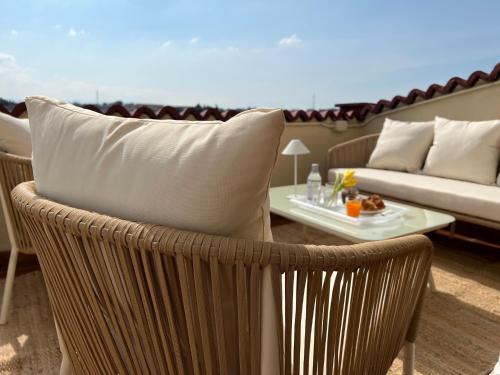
(295, 147)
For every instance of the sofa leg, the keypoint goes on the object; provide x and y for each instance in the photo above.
(409, 358)
(430, 283)
(9, 284)
(453, 228)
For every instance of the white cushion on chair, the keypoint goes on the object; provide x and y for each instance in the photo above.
(402, 146)
(211, 176)
(15, 137)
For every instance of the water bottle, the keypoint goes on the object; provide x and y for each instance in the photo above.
(313, 183)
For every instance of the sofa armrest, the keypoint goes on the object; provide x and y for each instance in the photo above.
(352, 154)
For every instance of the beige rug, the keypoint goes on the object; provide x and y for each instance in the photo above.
(459, 334)
(28, 342)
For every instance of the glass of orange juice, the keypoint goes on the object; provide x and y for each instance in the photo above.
(353, 207)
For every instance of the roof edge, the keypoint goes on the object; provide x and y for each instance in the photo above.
(347, 112)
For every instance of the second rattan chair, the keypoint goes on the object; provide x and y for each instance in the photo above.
(132, 298)
(13, 170)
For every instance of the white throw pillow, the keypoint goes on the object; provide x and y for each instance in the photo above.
(402, 145)
(465, 150)
(209, 176)
(15, 137)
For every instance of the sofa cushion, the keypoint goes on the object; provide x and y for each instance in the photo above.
(15, 137)
(211, 177)
(463, 197)
(402, 146)
(465, 150)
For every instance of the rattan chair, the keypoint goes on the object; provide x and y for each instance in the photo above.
(13, 170)
(132, 298)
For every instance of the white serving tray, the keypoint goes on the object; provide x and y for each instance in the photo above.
(392, 212)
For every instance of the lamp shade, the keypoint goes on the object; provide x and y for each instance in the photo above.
(295, 147)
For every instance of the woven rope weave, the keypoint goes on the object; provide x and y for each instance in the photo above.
(352, 154)
(14, 170)
(135, 298)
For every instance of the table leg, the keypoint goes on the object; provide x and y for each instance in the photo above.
(304, 234)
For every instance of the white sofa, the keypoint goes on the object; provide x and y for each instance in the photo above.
(466, 201)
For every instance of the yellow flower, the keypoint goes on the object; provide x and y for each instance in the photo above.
(349, 180)
(349, 173)
(350, 183)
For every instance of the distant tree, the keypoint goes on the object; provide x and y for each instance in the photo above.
(9, 104)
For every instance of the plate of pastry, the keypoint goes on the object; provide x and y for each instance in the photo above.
(372, 205)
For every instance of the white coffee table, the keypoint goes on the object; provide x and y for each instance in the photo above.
(416, 220)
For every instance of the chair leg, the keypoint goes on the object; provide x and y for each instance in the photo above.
(409, 358)
(65, 368)
(431, 283)
(9, 283)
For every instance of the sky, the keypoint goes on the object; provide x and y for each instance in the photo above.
(237, 54)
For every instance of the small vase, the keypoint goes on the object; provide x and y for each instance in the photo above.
(333, 200)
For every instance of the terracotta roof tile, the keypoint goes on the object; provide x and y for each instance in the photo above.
(118, 108)
(432, 90)
(347, 111)
(144, 111)
(18, 109)
(92, 107)
(168, 111)
(226, 115)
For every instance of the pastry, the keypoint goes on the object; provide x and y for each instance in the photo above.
(372, 203)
